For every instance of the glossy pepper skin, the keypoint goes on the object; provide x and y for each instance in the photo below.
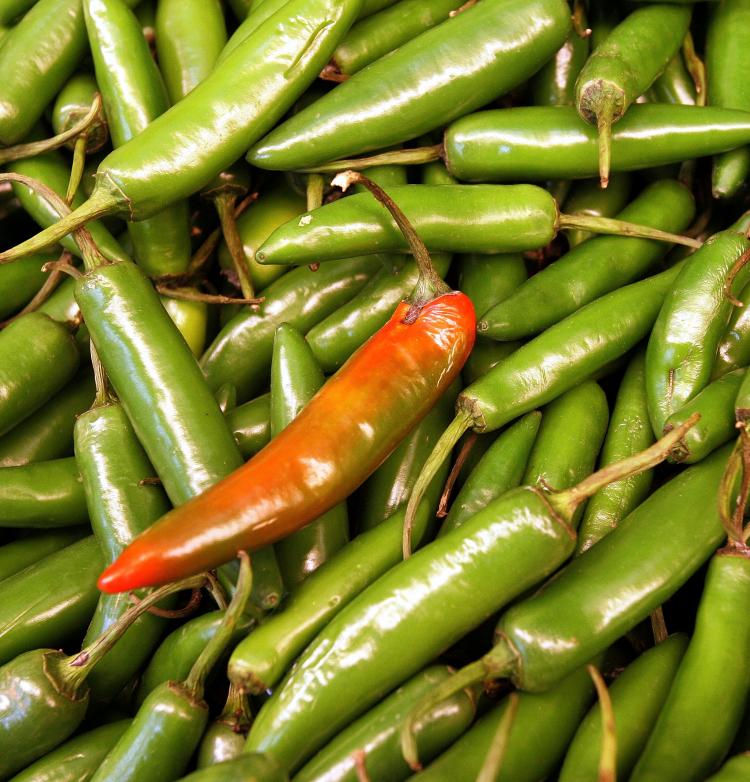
(38, 357)
(686, 335)
(376, 733)
(587, 197)
(445, 72)
(629, 433)
(225, 737)
(248, 768)
(73, 104)
(260, 503)
(600, 265)
(638, 695)
(734, 348)
(711, 683)
(19, 281)
(541, 143)
(157, 379)
(629, 564)
(251, 425)
(19, 554)
(241, 352)
(113, 464)
(49, 601)
(728, 54)
(542, 729)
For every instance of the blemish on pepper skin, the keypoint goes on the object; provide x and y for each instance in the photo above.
(305, 220)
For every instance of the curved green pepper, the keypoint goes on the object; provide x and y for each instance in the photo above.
(247, 768)
(736, 769)
(251, 425)
(29, 550)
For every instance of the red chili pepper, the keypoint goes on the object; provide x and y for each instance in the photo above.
(345, 432)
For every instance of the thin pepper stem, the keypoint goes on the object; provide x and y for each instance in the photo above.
(35, 148)
(76, 170)
(78, 666)
(429, 285)
(47, 289)
(90, 252)
(608, 752)
(493, 763)
(729, 502)
(566, 502)
(659, 625)
(578, 18)
(608, 225)
(196, 679)
(737, 267)
(400, 157)
(463, 455)
(314, 191)
(332, 73)
(225, 208)
(604, 131)
(460, 424)
(696, 69)
(103, 395)
(190, 294)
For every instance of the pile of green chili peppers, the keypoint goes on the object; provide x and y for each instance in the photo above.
(548, 577)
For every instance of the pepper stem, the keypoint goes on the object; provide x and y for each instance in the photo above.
(90, 252)
(498, 663)
(398, 157)
(103, 395)
(93, 208)
(77, 667)
(696, 69)
(314, 191)
(196, 679)
(236, 712)
(460, 424)
(429, 285)
(604, 131)
(608, 752)
(225, 208)
(76, 170)
(35, 148)
(566, 502)
(490, 770)
(607, 225)
(731, 503)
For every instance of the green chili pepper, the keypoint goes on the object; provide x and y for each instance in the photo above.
(375, 734)
(507, 547)
(569, 439)
(19, 281)
(134, 96)
(29, 550)
(248, 768)
(251, 22)
(716, 426)
(38, 356)
(383, 32)
(734, 348)
(736, 769)
(50, 601)
(388, 488)
(167, 729)
(71, 106)
(334, 339)
(178, 652)
(691, 323)
(224, 738)
(113, 466)
(48, 433)
(259, 662)
(251, 425)
(445, 72)
(541, 731)
(587, 197)
(268, 584)
(624, 65)
(675, 85)
(11, 10)
(77, 759)
(514, 218)
(629, 432)
(191, 319)
(600, 265)
(638, 695)
(726, 57)
(189, 39)
(274, 208)
(711, 685)
(43, 693)
(241, 353)
(500, 469)
(295, 378)
(42, 495)
(248, 92)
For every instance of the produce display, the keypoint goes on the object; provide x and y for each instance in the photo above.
(374, 391)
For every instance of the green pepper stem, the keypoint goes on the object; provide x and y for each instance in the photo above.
(103, 396)
(90, 252)
(314, 192)
(35, 148)
(213, 650)
(493, 763)
(429, 285)
(93, 208)
(78, 666)
(225, 203)
(460, 424)
(608, 752)
(696, 69)
(76, 170)
(399, 157)
(566, 502)
(498, 663)
(607, 225)
(604, 131)
(236, 711)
